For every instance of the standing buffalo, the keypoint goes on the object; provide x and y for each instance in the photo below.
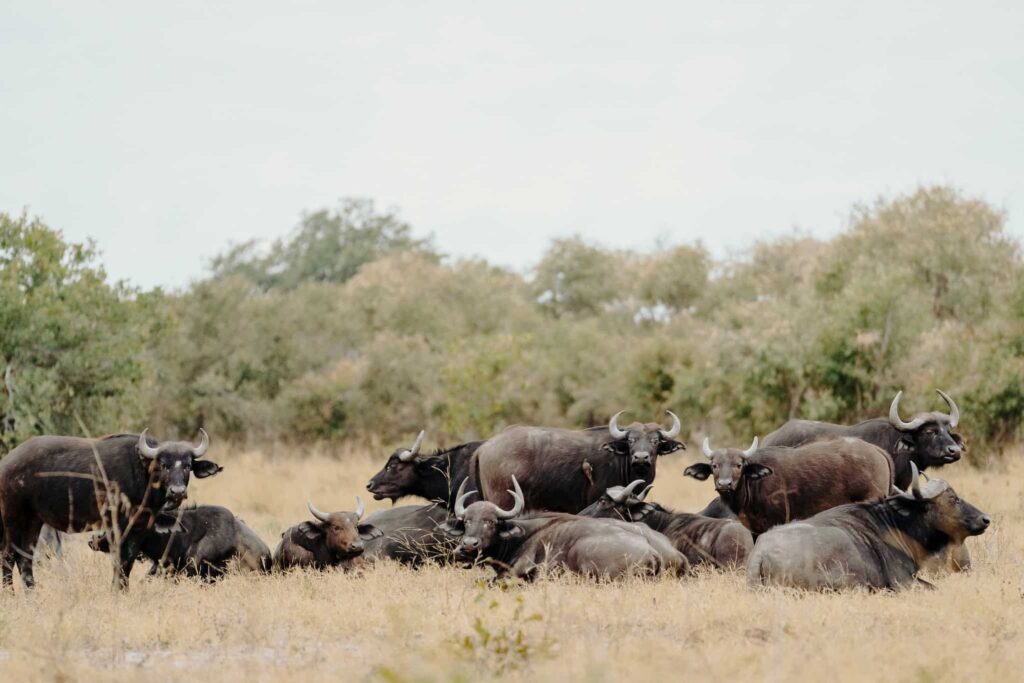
(435, 477)
(928, 440)
(703, 540)
(563, 470)
(410, 534)
(770, 486)
(880, 545)
(334, 540)
(523, 547)
(119, 482)
(201, 543)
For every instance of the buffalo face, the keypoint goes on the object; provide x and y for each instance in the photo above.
(483, 523)
(941, 508)
(643, 443)
(929, 436)
(728, 466)
(400, 474)
(343, 534)
(174, 462)
(621, 502)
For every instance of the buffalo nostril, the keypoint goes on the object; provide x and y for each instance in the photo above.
(986, 520)
(369, 486)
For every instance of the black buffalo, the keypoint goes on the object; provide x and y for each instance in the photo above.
(523, 547)
(119, 482)
(335, 539)
(770, 486)
(928, 440)
(410, 534)
(703, 540)
(202, 542)
(880, 545)
(435, 477)
(564, 470)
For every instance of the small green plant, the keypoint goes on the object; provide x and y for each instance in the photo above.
(500, 644)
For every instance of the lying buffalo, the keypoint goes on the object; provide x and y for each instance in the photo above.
(703, 540)
(202, 542)
(410, 534)
(770, 486)
(928, 440)
(119, 482)
(880, 545)
(563, 470)
(525, 546)
(435, 477)
(335, 539)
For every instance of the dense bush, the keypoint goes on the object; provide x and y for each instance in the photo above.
(351, 328)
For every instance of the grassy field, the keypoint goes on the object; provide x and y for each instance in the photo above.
(394, 624)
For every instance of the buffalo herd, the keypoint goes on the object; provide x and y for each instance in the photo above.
(813, 505)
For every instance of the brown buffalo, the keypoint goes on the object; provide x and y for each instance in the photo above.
(564, 470)
(334, 540)
(703, 540)
(770, 486)
(526, 546)
(879, 545)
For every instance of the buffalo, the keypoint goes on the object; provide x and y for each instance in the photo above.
(203, 540)
(335, 539)
(879, 545)
(435, 477)
(121, 482)
(703, 540)
(927, 440)
(564, 470)
(410, 535)
(770, 486)
(523, 547)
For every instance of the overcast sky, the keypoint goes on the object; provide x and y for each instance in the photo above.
(167, 132)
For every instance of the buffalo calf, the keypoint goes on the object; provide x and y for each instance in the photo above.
(335, 539)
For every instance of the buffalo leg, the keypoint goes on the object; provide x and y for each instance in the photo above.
(129, 551)
(23, 547)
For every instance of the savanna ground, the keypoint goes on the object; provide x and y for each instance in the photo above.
(395, 624)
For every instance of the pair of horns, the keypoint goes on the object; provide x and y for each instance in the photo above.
(898, 423)
(677, 426)
(324, 517)
(149, 452)
(746, 454)
(517, 495)
(409, 454)
(623, 495)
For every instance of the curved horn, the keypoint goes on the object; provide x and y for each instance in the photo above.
(624, 492)
(460, 497)
(517, 508)
(915, 485)
(750, 451)
(322, 516)
(613, 426)
(145, 449)
(897, 422)
(954, 412)
(204, 443)
(643, 494)
(360, 508)
(410, 453)
(707, 447)
(677, 427)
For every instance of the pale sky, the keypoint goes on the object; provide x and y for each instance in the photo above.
(166, 131)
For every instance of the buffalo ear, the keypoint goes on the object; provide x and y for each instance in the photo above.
(452, 528)
(902, 504)
(700, 471)
(617, 447)
(959, 440)
(205, 468)
(368, 532)
(511, 531)
(904, 445)
(755, 470)
(666, 447)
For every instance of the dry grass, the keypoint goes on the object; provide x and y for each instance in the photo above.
(395, 624)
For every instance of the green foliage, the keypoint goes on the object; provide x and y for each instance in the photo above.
(505, 642)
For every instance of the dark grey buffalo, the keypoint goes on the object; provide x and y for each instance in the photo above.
(703, 540)
(121, 482)
(335, 539)
(435, 477)
(203, 540)
(410, 534)
(525, 546)
(880, 545)
(770, 486)
(564, 470)
(927, 440)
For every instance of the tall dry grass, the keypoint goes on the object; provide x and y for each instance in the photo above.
(395, 624)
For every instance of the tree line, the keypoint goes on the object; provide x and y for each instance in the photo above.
(353, 328)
